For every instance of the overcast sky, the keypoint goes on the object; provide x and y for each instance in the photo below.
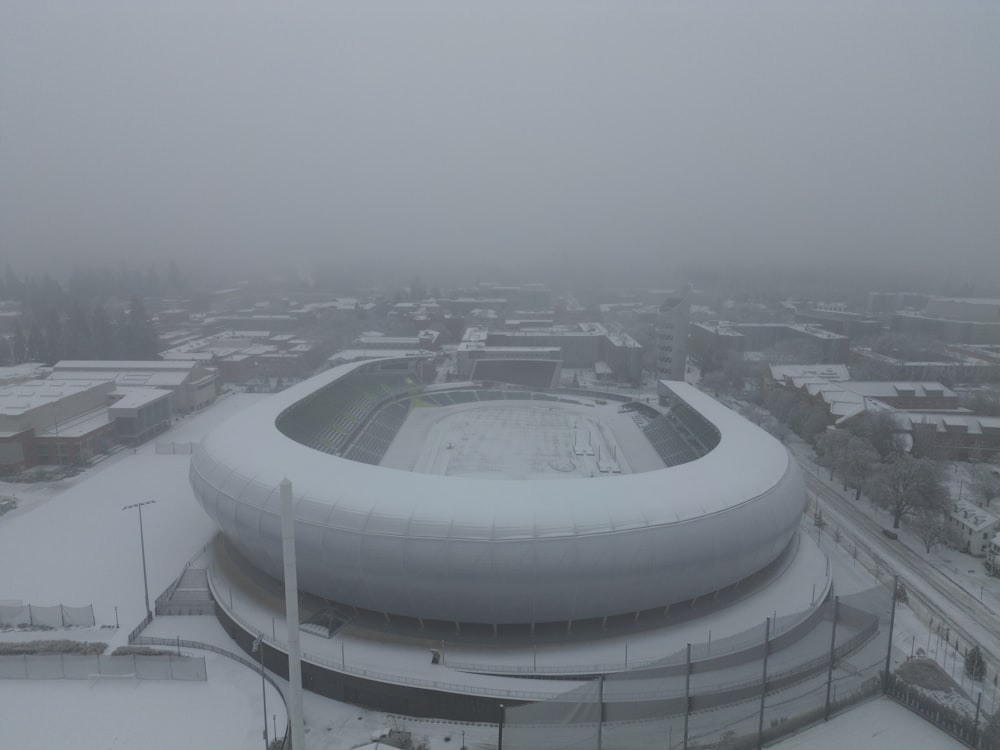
(521, 134)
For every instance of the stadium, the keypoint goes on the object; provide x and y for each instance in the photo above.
(500, 505)
(465, 549)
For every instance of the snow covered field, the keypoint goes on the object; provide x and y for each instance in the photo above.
(521, 440)
(878, 724)
(223, 713)
(70, 542)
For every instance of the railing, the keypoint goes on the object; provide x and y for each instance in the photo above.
(140, 627)
(181, 643)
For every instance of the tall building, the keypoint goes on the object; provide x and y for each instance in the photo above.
(671, 337)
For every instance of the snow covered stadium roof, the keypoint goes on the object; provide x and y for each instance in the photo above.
(495, 551)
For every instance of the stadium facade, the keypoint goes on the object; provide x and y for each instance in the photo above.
(472, 550)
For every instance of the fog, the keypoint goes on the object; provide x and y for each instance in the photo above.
(524, 139)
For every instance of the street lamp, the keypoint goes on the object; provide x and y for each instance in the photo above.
(142, 544)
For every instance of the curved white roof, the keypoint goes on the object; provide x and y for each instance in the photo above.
(491, 550)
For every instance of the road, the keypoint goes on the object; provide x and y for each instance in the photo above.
(963, 613)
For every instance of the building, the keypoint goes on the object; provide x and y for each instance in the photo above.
(954, 320)
(952, 436)
(971, 528)
(70, 421)
(192, 385)
(838, 319)
(20, 373)
(953, 364)
(672, 324)
(463, 550)
(581, 345)
(716, 341)
(992, 563)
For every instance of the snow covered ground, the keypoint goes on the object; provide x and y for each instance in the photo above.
(876, 724)
(70, 542)
(223, 713)
(521, 440)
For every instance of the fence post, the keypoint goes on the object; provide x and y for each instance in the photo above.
(687, 694)
(975, 724)
(600, 717)
(892, 622)
(763, 684)
(833, 642)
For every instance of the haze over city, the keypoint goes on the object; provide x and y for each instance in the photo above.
(500, 376)
(520, 139)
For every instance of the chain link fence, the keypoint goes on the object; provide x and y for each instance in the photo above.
(754, 696)
(55, 616)
(83, 667)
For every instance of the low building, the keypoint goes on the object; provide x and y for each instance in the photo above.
(193, 385)
(971, 528)
(54, 421)
(956, 436)
(69, 422)
(576, 346)
(954, 364)
(954, 320)
(992, 563)
(714, 342)
(838, 319)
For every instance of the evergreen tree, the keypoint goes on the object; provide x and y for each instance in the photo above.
(18, 345)
(975, 664)
(79, 342)
(54, 338)
(103, 333)
(140, 336)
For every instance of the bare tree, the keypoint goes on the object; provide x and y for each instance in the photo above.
(985, 483)
(856, 462)
(930, 527)
(829, 446)
(906, 484)
(880, 429)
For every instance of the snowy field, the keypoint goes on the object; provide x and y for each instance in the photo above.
(223, 713)
(880, 724)
(521, 440)
(69, 542)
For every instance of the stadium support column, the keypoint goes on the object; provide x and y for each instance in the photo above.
(295, 716)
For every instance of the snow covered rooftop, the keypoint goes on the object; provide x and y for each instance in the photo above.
(23, 397)
(972, 516)
(831, 372)
(746, 463)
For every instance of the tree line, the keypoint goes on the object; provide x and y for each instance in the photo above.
(55, 323)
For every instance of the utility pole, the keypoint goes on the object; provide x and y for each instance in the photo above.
(142, 546)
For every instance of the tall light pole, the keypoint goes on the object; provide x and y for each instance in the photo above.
(142, 545)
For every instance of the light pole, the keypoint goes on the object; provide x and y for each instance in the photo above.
(142, 545)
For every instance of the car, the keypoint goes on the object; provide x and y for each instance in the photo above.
(890, 533)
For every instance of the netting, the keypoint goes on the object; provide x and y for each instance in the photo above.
(831, 659)
(78, 616)
(55, 616)
(14, 615)
(46, 616)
